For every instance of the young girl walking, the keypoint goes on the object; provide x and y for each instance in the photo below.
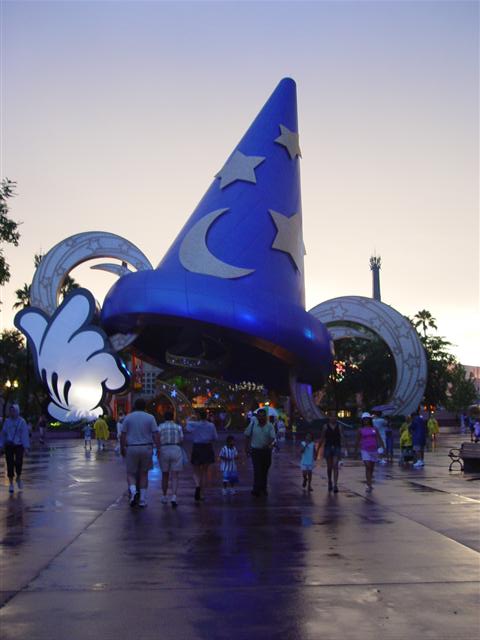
(307, 462)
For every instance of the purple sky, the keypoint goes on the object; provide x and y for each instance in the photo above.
(116, 116)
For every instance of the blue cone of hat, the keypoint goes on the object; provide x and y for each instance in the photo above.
(228, 298)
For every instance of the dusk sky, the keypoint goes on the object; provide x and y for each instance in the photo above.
(117, 115)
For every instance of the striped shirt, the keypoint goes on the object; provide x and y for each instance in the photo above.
(227, 459)
(170, 433)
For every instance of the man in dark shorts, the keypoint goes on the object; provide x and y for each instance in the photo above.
(260, 441)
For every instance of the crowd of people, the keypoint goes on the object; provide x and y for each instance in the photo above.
(139, 436)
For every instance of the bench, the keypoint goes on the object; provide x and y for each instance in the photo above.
(467, 457)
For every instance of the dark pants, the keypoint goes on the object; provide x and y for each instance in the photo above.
(14, 458)
(261, 460)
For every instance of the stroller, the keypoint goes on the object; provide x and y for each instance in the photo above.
(407, 456)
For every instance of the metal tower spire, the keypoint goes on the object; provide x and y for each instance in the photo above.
(375, 265)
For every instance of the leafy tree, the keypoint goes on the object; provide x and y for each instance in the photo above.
(439, 365)
(364, 372)
(18, 380)
(447, 384)
(8, 228)
(462, 391)
(12, 365)
(367, 371)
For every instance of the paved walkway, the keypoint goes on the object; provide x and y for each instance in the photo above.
(77, 562)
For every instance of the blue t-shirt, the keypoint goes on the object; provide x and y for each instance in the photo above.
(418, 429)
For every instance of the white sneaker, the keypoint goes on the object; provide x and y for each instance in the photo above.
(20, 484)
(164, 499)
(11, 488)
(142, 503)
(232, 491)
(418, 464)
(173, 501)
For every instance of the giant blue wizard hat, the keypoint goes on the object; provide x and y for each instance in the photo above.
(229, 294)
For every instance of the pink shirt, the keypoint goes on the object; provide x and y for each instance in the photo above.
(368, 439)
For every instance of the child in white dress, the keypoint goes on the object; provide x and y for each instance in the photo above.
(307, 461)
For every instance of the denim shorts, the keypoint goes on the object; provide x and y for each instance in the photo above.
(331, 451)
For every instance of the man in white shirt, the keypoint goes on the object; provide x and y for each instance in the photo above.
(139, 433)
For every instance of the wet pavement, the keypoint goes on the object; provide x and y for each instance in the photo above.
(78, 562)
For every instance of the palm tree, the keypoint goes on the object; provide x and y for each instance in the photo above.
(425, 321)
(23, 297)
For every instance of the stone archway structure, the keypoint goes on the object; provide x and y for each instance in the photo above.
(373, 317)
(61, 259)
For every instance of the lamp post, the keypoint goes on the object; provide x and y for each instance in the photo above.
(10, 386)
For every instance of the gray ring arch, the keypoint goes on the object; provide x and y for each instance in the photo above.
(59, 261)
(394, 329)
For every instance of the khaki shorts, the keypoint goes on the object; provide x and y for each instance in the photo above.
(139, 459)
(171, 458)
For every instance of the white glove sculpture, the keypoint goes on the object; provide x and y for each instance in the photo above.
(72, 357)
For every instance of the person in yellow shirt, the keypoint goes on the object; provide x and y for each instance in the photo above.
(406, 444)
(101, 432)
(433, 430)
(405, 426)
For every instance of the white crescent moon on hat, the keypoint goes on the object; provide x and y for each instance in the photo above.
(195, 255)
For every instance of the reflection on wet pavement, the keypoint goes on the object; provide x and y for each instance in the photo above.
(291, 565)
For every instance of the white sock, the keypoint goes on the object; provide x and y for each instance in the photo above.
(143, 494)
(133, 490)
(174, 498)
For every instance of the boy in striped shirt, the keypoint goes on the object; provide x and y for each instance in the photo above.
(228, 466)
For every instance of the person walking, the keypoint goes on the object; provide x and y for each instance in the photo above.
(406, 449)
(307, 461)
(418, 429)
(101, 432)
(87, 436)
(260, 436)
(139, 433)
(368, 441)
(170, 455)
(281, 430)
(381, 426)
(228, 466)
(42, 425)
(433, 430)
(120, 419)
(334, 441)
(15, 442)
(476, 429)
(203, 435)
